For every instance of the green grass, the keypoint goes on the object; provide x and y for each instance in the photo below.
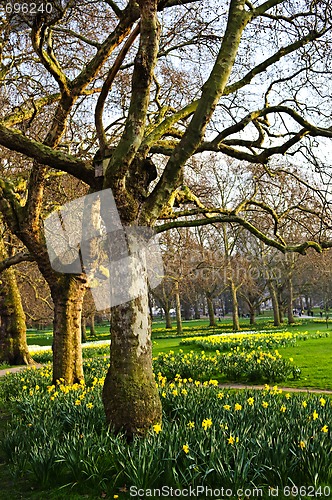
(45, 337)
(313, 356)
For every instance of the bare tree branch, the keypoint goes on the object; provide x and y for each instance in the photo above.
(15, 259)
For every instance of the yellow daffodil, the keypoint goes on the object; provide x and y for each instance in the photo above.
(226, 407)
(232, 440)
(283, 409)
(265, 404)
(237, 407)
(325, 428)
(250, 401)
(302, 445)
(191, 425)
(314, 415)
(157, 428)
(207, 422)
(304, 404)
(185, 448)
(322, 401)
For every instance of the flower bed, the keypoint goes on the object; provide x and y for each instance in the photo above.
(236, 366)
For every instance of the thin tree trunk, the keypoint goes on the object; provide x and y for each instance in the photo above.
(252, 314)
(196, 310)
(83, 327)
(235, 313)
(275, 304)
(168, 318)
(92, 325)
(290, 300)
(178, 309)
(68, 297)
(210, 310)
(281, 310)
(13, 344)
(186, 310)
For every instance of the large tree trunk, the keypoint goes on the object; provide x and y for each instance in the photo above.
(13, 344)
(179, 330)
(210, 310)
(130, 396)
(68, 297)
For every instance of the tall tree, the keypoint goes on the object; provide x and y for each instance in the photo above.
(165, 110)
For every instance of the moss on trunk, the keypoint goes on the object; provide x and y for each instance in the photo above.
(13, 344)
(130, 396)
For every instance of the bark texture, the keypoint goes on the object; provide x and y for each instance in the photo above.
(13, 344)
(68, 296)
(130, 396)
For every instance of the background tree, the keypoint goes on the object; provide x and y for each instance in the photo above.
(13, 343)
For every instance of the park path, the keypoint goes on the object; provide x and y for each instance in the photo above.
(284, 389)
(222, 386)
(16, 369)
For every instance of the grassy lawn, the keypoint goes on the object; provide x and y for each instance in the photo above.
(313, 356)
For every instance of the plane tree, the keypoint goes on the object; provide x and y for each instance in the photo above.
(132, 91)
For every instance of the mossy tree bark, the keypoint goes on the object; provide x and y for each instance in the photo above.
(13, 344)
(130, 395)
